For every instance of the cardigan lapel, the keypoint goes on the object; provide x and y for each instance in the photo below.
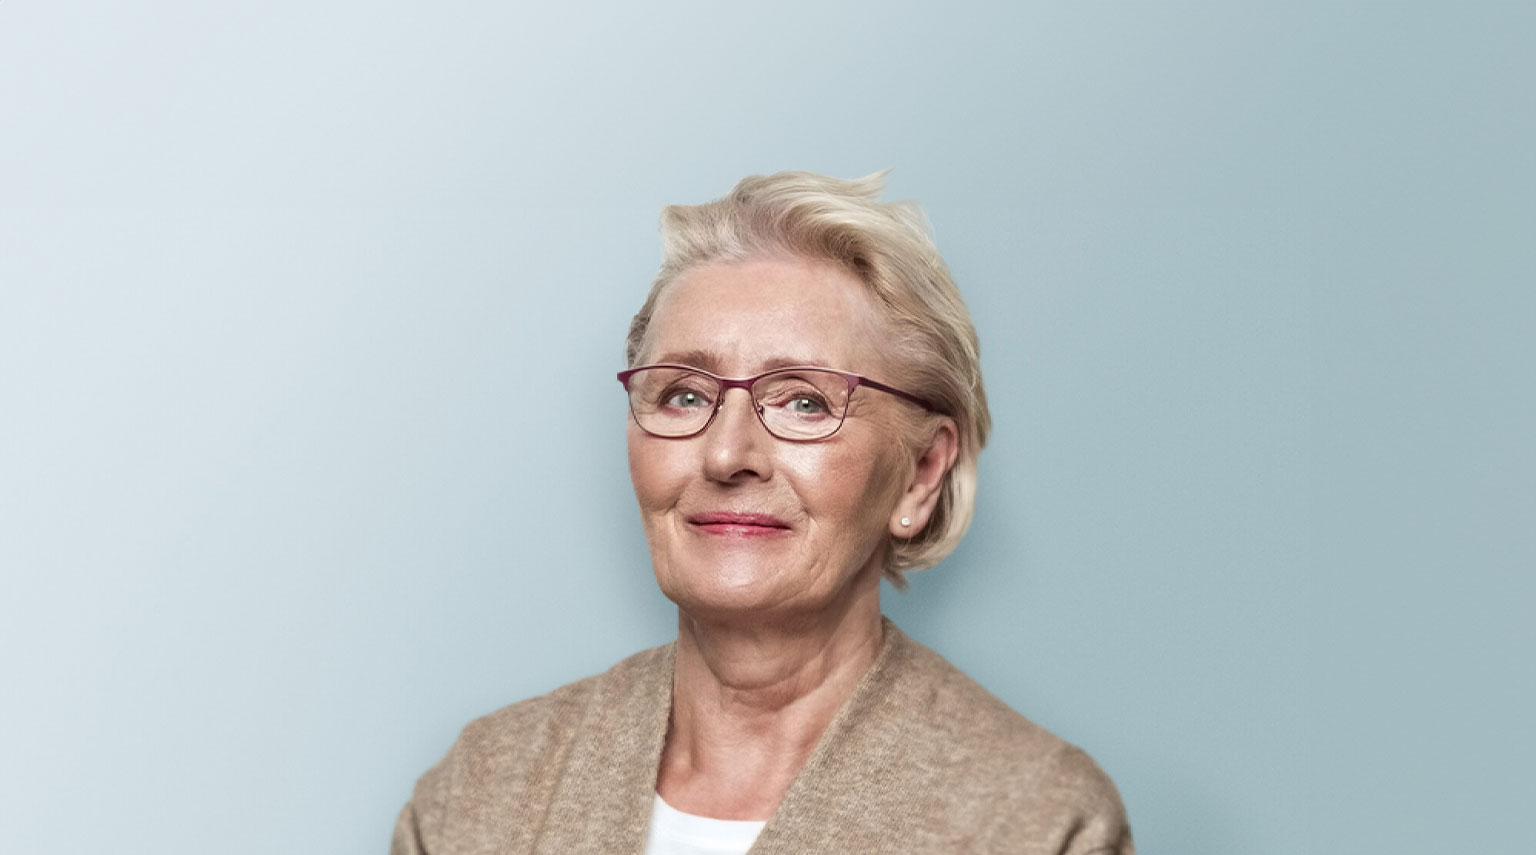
(607, 785)
(854, 791)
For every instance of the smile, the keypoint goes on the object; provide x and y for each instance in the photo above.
(728, 524)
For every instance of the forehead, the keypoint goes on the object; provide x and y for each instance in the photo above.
(745, 317)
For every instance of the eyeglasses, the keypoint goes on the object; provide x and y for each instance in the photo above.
(797, 404)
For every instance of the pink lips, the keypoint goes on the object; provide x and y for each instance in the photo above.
(739, 525)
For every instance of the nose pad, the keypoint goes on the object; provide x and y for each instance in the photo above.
(752, 406)
(756, 407)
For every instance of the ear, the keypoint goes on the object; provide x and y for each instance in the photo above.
(922, 493)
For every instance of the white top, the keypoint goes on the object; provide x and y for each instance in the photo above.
(676, 833)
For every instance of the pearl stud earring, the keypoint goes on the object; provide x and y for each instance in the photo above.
(906, 522)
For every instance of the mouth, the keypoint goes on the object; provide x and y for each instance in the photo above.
(731, 524)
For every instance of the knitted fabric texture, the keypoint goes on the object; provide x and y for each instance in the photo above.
(920, 759)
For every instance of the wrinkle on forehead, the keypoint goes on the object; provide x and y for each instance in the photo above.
(816, 313)
(711, 362)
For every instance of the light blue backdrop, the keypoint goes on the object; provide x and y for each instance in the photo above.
(310, 449)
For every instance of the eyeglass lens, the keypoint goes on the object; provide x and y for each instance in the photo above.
(794, 404)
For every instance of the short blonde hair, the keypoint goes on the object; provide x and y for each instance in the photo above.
(890, 248)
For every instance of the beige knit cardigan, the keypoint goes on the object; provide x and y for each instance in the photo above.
(920, 759)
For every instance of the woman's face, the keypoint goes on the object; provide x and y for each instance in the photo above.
(738, 520)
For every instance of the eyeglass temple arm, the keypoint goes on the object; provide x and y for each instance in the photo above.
(891, 390)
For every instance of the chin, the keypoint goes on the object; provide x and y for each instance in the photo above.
(725, 589)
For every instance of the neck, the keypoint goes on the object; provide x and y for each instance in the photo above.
(750, 701)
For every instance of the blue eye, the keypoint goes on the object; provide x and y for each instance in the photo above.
(804, 406)
(687, 400)
(795, 395)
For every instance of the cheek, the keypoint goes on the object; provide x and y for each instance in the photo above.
(654, 471)
(843, 483)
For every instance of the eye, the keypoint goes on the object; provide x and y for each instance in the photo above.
(801, 400)
(804, 395)
(685, 398)
(806, 405)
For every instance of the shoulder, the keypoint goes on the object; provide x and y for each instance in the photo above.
(1038, 786)
(550, 716)
(535, 726)
(955, 709)
(507, 763)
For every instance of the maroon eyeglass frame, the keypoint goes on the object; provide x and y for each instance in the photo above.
(745, 384)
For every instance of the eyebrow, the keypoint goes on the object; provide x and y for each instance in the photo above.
(710, 362)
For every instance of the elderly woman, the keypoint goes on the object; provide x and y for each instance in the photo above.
(806, 411)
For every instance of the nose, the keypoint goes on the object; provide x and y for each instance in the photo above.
(736, 445)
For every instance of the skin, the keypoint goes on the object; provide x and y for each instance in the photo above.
(776, 626)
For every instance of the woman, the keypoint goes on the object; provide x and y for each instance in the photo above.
(806, 413)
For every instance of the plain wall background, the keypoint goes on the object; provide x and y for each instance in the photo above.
(310, 449)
